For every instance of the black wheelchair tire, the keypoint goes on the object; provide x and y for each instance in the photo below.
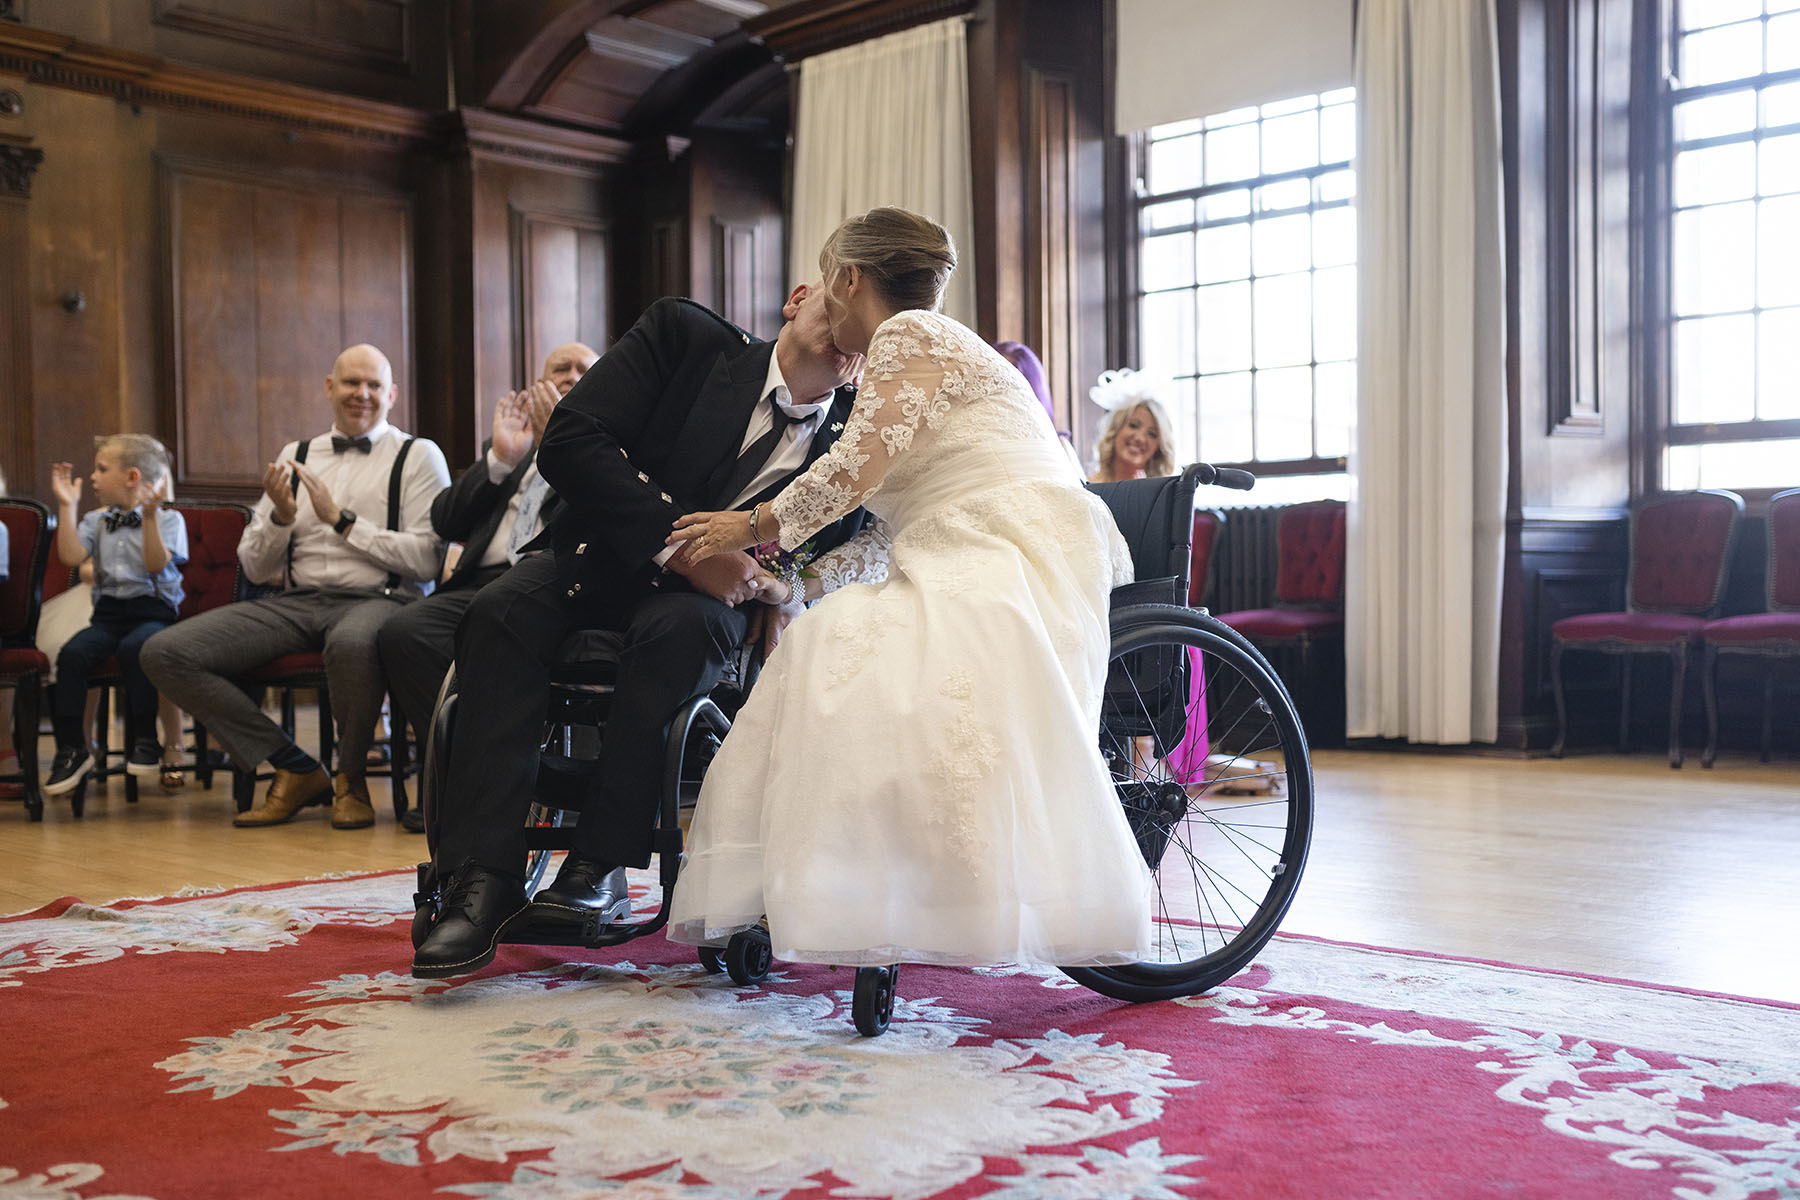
(872, 1002)
(748, 956)
(711, 960)
(1137, 628)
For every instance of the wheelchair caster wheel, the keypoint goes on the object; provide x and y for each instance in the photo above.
(709, 958)
(422, 924)
(748, 956)
(872, 1004)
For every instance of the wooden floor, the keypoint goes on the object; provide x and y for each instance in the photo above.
(1599, 864)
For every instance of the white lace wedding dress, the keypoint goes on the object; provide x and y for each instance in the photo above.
(916, 776)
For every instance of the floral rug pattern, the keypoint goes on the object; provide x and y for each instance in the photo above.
(269, 1042)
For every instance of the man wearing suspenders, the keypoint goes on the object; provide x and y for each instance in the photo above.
(344, 523)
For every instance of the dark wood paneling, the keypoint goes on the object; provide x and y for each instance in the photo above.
(371, 33)
(562, 272)
(1052, 306)
(271, 276)
(18, 448)
(735, 274)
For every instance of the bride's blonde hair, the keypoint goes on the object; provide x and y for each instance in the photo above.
(907, 257)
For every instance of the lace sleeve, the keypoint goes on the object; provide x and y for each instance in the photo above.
(902, 388)
(862, 559)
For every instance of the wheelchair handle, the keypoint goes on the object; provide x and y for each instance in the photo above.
(1229, 477)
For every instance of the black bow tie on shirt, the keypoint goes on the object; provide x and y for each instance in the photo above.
(341, 444)
(127, 520)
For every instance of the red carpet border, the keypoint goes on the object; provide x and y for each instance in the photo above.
(269, 1042)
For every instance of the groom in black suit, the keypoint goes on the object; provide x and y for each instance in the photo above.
(685, 413)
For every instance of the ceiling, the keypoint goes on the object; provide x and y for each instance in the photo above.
(629, 68)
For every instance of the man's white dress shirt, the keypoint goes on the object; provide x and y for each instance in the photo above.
(368, 552)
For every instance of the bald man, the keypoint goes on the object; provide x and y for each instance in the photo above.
(344, 526)
(496, 508)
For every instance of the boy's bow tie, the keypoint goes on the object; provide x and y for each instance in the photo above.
(128, 520)
(341, 444)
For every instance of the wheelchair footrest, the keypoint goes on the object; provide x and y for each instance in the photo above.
(551, 925)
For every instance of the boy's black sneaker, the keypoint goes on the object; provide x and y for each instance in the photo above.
(71, 766)
(145, 759)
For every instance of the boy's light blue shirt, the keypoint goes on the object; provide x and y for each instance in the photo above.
(119, 556)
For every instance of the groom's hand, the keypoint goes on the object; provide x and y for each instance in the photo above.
(769, 621)
(729, 578)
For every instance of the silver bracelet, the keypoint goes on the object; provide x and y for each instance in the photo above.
(796, 587)
(754, 508)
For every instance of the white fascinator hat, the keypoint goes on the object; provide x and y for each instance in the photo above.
(1125, 388)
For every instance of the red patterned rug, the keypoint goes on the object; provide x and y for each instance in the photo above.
(269, 1042)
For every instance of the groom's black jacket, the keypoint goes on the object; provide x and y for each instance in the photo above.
(651, 433)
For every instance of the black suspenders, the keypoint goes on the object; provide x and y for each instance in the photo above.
(396, 477)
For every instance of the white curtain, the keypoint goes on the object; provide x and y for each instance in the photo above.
(1422, 602)
(886, 122)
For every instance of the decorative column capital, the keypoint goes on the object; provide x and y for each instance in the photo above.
(16, 166)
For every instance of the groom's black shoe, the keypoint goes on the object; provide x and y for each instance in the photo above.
(478, 904)
(588, 885)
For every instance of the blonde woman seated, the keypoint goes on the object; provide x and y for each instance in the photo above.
(1133, 446)
(917, 777)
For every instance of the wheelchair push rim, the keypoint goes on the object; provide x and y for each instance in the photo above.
(1227, 841)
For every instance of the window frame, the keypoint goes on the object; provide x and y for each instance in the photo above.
(1138, 197)
(1653, 117)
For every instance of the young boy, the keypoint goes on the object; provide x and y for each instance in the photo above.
(138, 547)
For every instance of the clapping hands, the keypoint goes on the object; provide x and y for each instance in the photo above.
(65, 484)
(520, 419)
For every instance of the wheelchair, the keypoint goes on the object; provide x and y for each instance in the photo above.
(1190, 711)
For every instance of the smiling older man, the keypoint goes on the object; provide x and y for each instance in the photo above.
(344, 523)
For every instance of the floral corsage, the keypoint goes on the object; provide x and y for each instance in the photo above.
(790, 566)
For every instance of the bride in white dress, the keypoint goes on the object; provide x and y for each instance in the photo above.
(916, 776)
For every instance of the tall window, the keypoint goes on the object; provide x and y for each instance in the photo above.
(1247, 287)
(1733, 113)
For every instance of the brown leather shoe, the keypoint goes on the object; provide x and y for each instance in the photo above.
(286, 796)
(350, 808)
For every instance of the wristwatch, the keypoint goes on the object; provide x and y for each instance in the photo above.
(345, 520)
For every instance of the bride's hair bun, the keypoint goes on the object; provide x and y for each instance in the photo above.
(907, 257)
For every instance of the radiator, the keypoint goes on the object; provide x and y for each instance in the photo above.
(1243, 567)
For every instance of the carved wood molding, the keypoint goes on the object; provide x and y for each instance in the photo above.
(811, 27)
(17, 163)
(493, 133)
(141, 79)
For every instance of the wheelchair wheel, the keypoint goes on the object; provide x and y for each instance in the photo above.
(748, 956)
(1224, 824)
(872, 1003)
(710, 959)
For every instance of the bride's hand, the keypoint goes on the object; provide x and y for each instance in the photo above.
(710, 533)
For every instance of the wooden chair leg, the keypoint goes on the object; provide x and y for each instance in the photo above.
(1556, 688)
(1768, 713)
(328, 732)
(131, 735)
(1679, 654)
(399, 751)
(1709, 687)
(1625, 704)
(25, 742)
(203, 770)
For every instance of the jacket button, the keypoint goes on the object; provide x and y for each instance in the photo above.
(574, 589)
(581, 549)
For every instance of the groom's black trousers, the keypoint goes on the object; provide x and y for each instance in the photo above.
(676, 644)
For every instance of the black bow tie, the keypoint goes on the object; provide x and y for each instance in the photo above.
(128, 520)
(341, 444)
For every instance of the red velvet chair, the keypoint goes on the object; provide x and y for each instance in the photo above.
(1680, 549)
(212, 576)
(1209, 523)
(1309, 600)
(22, 665)
(1770, 635)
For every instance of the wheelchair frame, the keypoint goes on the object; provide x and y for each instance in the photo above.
(1154, 650)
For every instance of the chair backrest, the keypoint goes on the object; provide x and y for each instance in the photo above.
(213, 575)
(27, 554)
(1784, 551)
(1156, 518)
(1680, 552)
(1309, 541)
(57, 578)
(1208, 524)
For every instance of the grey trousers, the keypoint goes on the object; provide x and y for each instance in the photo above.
(194, 661)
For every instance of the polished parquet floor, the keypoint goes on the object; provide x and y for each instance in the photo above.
(1598, 864)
